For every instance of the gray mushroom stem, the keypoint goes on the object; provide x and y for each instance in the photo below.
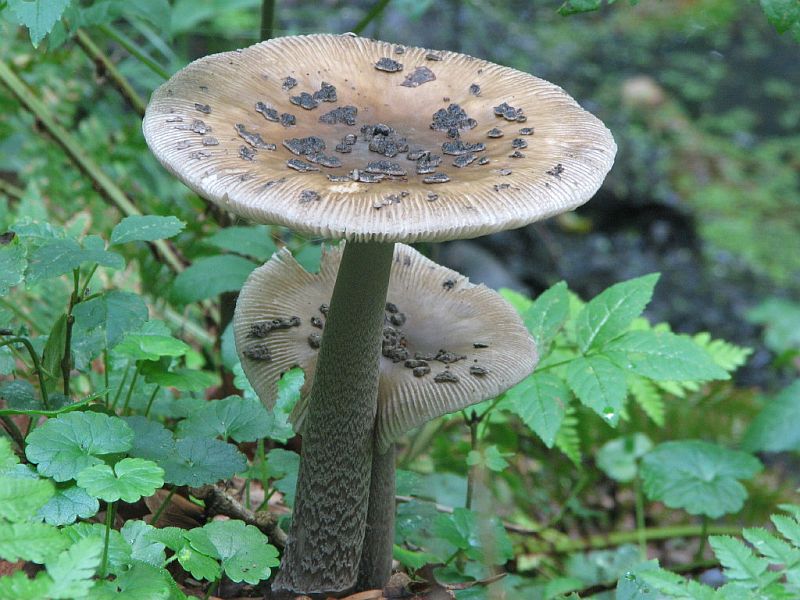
(324, 548)
(376, 556)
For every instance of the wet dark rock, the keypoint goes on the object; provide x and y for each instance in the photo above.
(388, 65)
(434, 56)
(399, 49)
(314, 340)
(478, 371)
(421, 371)
(364, 177)
(416, 152)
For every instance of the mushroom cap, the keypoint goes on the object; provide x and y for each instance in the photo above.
(447, 343)
(264, 133)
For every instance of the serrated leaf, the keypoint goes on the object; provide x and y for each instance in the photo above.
(39, 16)
(738, 560)
(775, 428)
(30, 541)
(619, 458)
(540, 401)
(146, 228)
(548, 314)
(283, 466)
(12, 265)
(101, 322)
(131, 479)
(490, 457)
(210, 276)
(198, 461)
(699, 477)
(54, 348)
(599, 384)
(521, 303)
(140, 346)
(19, 394)
(60, 256)
(463, 530)
(726, 355)
(608, 314)
(647, 396)
(119, 551)
(151, 440)
(789, 528)
(17, 586)
(665, 356)
(143, 546)
(631, 586)
(187, 380)
(771, 547)
(574, 7)
(67, 505)
(200, 565)
(244, 551)
(7, 457)
(21, 498)
(248, 241)
(784, 15)
(140, 581)
(73, 569)
(64, 446)
(664, 581)
(241, 419)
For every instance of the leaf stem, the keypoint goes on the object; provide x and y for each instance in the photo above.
(14, 432)
(150, 401)
(111, 510)
(703, 538)
(130, 389)
(134, 51)
(639, 509)
(66, 360)
(121, 386)
(105, 66)
(162, 507)
(36, 365)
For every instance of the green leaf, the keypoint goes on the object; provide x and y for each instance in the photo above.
(39, 16)
(145, 228)
(73, 569)
(699, 477)
(30, 541)
(789, 528)
(521, 303)
(726, 355)
(770, 546)
(775, 428)
(19, 393)
(131, 479)
(283, 466)
(151, 440)
(648, 397)
(64, 446)
(241, 419)
(540, 401)
(140, 346)
(568, 440)
(464, 530)
(548, 314)
(599, 384)
(244, 551)
(12, 265)
(664, 356)
(309, 257)
(411, 559)
(784, 15)
(248, 241)
(119, 551)
(67, 505)
(105, 319)
(631, 586)
(7, 457)
(60, 256)
(144, 547)
(609, 313)
(200, 565)
(140, 581)
(490, 457)
(187, 380)
(198, 461)
(54, 349)
(619, 458)
(208, 277)
(574, 7)
(17, 586)
(21, 498)
(738, 561)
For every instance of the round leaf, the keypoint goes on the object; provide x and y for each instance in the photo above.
(131, 479)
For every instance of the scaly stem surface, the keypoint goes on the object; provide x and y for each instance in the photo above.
(376, 556)
(329, 519)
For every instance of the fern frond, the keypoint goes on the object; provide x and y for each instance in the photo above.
(728, 356)
(567, 438)
(648, 397)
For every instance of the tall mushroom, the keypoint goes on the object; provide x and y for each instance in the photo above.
(346, 137)
(446, 344)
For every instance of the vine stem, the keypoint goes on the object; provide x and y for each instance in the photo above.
(111, 511)
(105, 66)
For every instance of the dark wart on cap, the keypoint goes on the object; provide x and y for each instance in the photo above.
(379, 134)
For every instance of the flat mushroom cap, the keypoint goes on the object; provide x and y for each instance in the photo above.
(447, 343)
(338, 136)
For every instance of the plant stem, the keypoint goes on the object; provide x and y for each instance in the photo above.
(374, 12)
(106, 366)
(130, 389)
(104, 184)
(104, 66)
(134, 51)
(333, 488)
(703, 537)
(639, 508)
(111, 510)
(150, 401)
(472, 473)
(162, 508)
(121, 387)
(14, 432)
(66, 360)
(36, 365)
(267, 19)
(10, 189)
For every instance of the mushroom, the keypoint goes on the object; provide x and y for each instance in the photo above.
(363, 152)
